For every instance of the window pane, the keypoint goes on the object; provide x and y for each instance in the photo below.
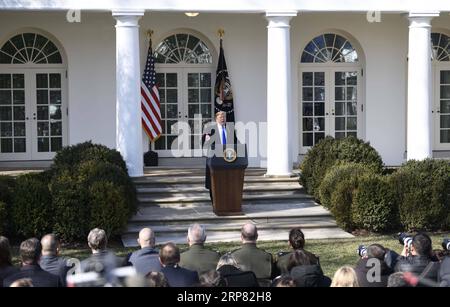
(160, 143)
(307, 124)
(351, 93)
(445, 106)
(5, 113)
(41, 80)
(319, 124)
(6, 129)
(160, 80)
(162, 96)
(172, 111)
(339, 93)
(318, 137)
(19, 145)
(308, 139)
(55, 97)
(192, 110)
(56, 144)
(340, 108)
(43, 129)
(5, 81)
(339, 123)
(339, 78)
(19, 113)
(18, 81)
(55, 112)
(42, 113)
(307, 78)
(170, 142)
(42, 97)
(445, 121)
(319, 93)
(193, 80)
(352, 134)
(205, 95)
(319, 109)
(445, 91)
(19, 97)
(19, 129)
(351, 78)
(171, 80)
(172, 96)
(56, 129)
(351, 123)
(55, 80)
(193, 95)
(6, 145)
(205, 80)
(5, 97)
(307, 94)
(319, 78)
(351, 108)
(206, 110)
(445, 76)
(43, 145)
(307, 109)
(445, 136)
(339, 135)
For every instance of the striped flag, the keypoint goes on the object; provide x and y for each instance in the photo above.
(150, 104)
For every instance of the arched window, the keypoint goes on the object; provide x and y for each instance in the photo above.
(441, 47)
(183, 48)
(329, 48)
(29, 48)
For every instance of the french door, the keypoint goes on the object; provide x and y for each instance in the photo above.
(441, 107)
(186, 99)
(33, 114)
(329, 104)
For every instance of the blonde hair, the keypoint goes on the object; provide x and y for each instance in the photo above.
(345, 277)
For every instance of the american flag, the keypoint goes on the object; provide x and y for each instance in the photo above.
(150, 105)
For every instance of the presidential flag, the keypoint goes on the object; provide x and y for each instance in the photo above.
(150, 104)
(223, 95)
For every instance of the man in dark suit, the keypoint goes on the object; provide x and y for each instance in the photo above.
(6, 267)
(220, 134)
(198, 258)
(50, 260)
(146, 259)
(176, 276)
(251, 258)
(30, 252)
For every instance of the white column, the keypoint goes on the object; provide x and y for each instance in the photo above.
(128, 79)
(279, 157)
(419, 126)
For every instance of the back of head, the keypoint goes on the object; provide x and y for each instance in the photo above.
(22, 283)
(422, 244)
(169, 254)
(300, 257)
(5, 252)
(345, 277)
(227, 259)
(249, 233)
(376, 251)
(196, 234)
(157, 280)
(297, 238)
(211, 278)
(97, 239)
(146, 238)
(396, 280)
(284, 281)
(49, 244)
(30, 251)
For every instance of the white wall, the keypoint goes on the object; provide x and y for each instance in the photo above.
(90, 47)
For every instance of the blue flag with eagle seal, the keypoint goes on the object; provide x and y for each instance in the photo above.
(223, 95)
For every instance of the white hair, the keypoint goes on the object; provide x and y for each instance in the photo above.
(197, 233)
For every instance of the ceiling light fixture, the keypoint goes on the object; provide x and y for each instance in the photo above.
(191, 14)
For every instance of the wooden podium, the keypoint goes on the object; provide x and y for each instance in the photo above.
(227, 168)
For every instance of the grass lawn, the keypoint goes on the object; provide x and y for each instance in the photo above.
(333, 253)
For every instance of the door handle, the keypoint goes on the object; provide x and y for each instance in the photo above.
(27, 118)
(332, 112)
(438, 111)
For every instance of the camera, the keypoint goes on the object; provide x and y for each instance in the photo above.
(405, 239)
(361, 251)
(446, 244)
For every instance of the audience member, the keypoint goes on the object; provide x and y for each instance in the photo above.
(146, 259)
(6, 267)
(177, 276)
(345, 277)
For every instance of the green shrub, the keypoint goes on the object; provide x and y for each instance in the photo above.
(71, 156)
(321, 157)
(374, 205)
(336, 174)
(423, 192)
(6, 193)
(3, 218)
(31, 209)
(341, 200)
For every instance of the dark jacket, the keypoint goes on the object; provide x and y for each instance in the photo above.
(179, 277)
(107, 260)
(200, 259)
(233, 277)
(362, 269)
(309, 276)
(283, 261)
(146, 260)
(251, 258)
(444, 272)
(6, 271)
(38, 276)
(56, 266)
(417, 265)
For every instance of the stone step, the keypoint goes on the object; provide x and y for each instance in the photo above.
(129, 240)
(201, 180)
(200, 187)
(204, 213)
(180, 172)
(204, 197)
